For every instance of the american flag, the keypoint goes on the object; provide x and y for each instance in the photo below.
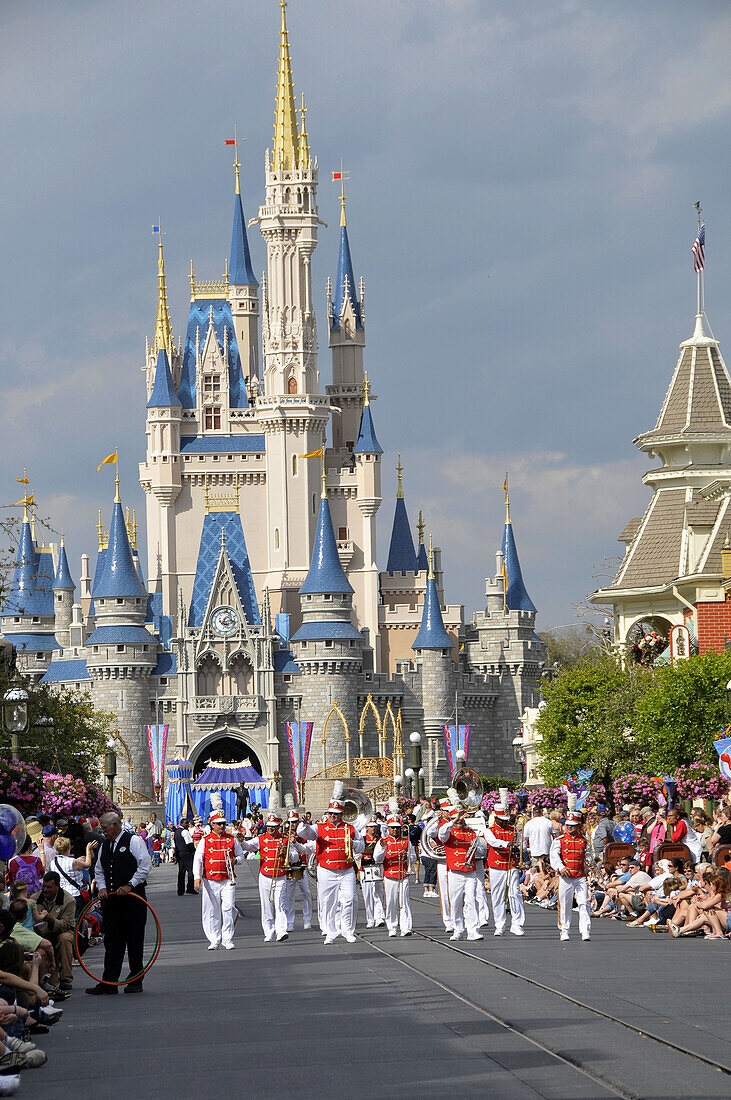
(699, 249)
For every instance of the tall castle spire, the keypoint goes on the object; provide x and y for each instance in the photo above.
(516, 595)
(286, 138)
(240, 271)
(163, 328)
(401, 553)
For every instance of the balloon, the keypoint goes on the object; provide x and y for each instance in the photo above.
(12, 831)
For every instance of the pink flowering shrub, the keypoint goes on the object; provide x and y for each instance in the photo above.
(701, 780)
(21, 785)
(64, 795)
(548, 798)
(491, 798)
(639, 789)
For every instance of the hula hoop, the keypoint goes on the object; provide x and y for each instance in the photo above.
(155, 953)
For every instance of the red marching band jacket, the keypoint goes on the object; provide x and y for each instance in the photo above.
(330, 846)
(456, 847)
(502, 859)
(396, 857)
(214, 857)
(273, 855)
(573, 855)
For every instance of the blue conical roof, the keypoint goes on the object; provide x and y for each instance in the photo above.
(164, 395)
(240, 272)
(422, 561)
(432, 634)
(326, 573)
(22, 589)
(516, 596)
(367, 442)
(119, 576)
(345, 274)
(63, 573)
(401, 553)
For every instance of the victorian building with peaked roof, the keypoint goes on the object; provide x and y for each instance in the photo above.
(264, 601)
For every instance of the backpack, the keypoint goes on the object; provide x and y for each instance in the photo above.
(28, 873)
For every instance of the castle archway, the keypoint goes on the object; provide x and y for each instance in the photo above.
(223, 748)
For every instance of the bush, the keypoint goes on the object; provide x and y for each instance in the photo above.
(548, 798)
(491, 798)
(494, 782)
(700, 780)
(21, 785)
(638, 789)
(64, 795)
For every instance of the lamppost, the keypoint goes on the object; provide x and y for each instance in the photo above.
(110, 767)
(398, 782)
(415, 761)
(15, 716)
(519, 753)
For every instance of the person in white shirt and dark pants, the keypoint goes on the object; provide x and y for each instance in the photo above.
(121, 870)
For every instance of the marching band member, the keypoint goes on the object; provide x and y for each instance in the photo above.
(336, 842)
(276, 855)
(371, 878)
(213, 868)
(297, 879)
(568, 857)
(483, 909)
(396, 853)
(461, 844)
(432, 830)
(502, 859)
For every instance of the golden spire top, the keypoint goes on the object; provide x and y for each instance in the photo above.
(27, 497)
(507, 500)
(430, 575)
(323, 494)
(163, 328)
(304, 143)
(134, 529)
(400, 486)
(366, 390)
(237, 163)
(420, 527)
(191, 276)
(117, 497)
(286, 138)
(100, 530)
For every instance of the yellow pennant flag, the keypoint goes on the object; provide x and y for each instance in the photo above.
(313, 454)
(22, 480)
(110, 458)
(26, 500)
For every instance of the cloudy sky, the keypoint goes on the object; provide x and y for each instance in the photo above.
(521, 207)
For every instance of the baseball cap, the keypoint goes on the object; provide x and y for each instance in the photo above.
(50, 830)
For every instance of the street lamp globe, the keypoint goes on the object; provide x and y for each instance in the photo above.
(415, 738)
(398, 781)
(15, 710)
(460, 754)
(409, 773)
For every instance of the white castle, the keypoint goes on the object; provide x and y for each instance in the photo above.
(264, 600)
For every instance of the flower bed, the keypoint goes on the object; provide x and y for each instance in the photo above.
(701, 780)
(64, 795)
(548, 798)
(491, 798)
(21, 785)
(639, 789)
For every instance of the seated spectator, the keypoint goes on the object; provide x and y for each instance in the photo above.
(28, 938)
(642, 853)
(722, 832)
(709, 914)
(56, 912)
(660, 904)
(72, 870)
(701, 825)
(618, 879)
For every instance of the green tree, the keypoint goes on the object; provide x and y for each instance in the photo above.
(683, 711)
(588, 721)
(569, 646)
(76, 741)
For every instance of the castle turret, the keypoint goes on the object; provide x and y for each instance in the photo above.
(345, 308)
(121, 654)
(516, 595)
(433, 649)
(327, 647)
(422, 561)
(401, 553)
(367, 454)
(63, 596)
(28, 613)
(243, 288)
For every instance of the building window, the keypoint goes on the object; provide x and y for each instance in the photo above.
(292, 385)
(327, 596)
(276, 538)
(287, 678)
(212, 418)
(314, 504)
(328, 644)
(211, 384)
(59, 597)
(163, 681)
(342, 533)
(119, 599)
(120, 649)
(294, 465)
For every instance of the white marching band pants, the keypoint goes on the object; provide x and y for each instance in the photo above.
(463, 900)
(303, 885)
(568, 888)
(483, 909)
(373, 901)
(217, 898)
(398, 904)
(337, 901)
(515, 899)
(272, 895)
(444, 896)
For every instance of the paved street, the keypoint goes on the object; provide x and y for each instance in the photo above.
(299, 1019)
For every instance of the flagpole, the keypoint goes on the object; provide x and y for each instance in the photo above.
(699, 277)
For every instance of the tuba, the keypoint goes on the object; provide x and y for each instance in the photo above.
(357, 808)
(467, 782)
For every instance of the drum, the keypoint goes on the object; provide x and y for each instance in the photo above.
(371, 872)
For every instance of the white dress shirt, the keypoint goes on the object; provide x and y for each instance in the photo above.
(138, 848)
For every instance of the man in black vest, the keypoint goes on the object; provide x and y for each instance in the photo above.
(184, 852)
(121, 870)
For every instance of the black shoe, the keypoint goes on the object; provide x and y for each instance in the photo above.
(101, 990)
(180, 893)
(66, 984)
(133, 987)
(196, 892)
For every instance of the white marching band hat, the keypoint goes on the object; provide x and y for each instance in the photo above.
(273, 818)
(216, 815)
(393, 821)
(502, 806)
(573, 816)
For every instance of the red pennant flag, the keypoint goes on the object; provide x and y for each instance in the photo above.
(337, 176)
(230, 141)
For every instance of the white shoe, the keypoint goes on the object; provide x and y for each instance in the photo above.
(392, 933)
(449, 928)
(9, 1085)
(228, 944)
(475, 936)
(268, 939)
(586, 936)
(213, 946)
(406, 933)
(307, 927)
(517, 931)
(456, 936)
(564, 936)
(370, 924)
(498, 932)
(380, 924)
(328, 941)
(349, 937)
(280, 937)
